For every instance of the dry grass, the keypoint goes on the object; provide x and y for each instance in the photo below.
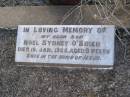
(109, 12)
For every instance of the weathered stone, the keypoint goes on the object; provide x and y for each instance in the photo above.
(27, 81)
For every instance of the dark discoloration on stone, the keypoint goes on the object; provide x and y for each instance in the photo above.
(55, 82)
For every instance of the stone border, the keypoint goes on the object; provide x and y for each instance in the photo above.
(11, 17)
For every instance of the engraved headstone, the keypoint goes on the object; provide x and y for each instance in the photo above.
(66, 44)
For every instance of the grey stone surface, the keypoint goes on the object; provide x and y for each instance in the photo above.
(25, 81)
(4, 3)
(11, 17)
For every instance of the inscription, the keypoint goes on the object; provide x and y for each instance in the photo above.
(66, 44)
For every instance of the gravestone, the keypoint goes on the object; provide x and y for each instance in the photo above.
(53, 81)
(17, 81)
